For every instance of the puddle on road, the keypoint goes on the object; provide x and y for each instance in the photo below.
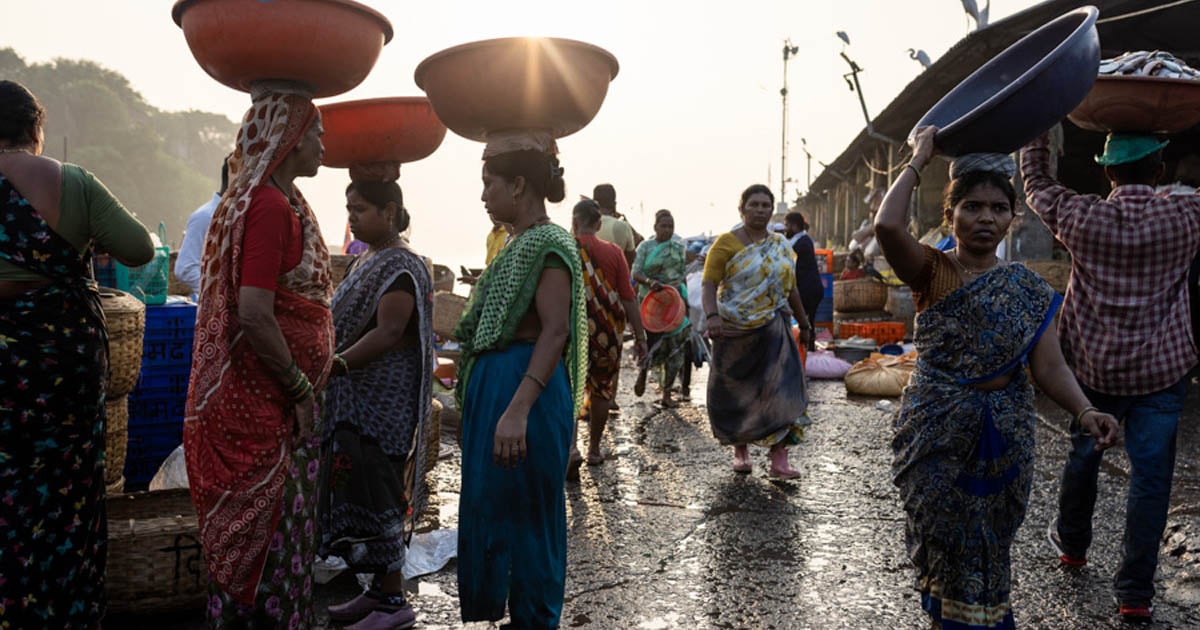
(661, 623)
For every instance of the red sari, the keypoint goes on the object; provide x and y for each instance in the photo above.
(238, 426)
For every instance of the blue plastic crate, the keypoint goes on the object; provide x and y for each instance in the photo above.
(105, 270)
(158, 353)
(152, 407)
(173, 320)
(825, 310)
(171, 380)
(827, 283)
(147, 445)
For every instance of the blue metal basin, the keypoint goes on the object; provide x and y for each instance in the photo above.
(1021, 92)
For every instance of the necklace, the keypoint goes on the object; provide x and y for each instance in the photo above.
(390, 243)
(14, 150)
(954, 257)
(291, 202)
(750, 237)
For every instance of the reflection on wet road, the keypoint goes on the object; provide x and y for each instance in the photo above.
(665, 535)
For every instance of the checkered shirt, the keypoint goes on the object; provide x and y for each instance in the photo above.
(1126, 326)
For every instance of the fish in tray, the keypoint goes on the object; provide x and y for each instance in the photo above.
(1155, 63)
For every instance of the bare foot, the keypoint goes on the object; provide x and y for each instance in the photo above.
(573, 464)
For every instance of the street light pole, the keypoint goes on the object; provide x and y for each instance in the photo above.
(788, 51)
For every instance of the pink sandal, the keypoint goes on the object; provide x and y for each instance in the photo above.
(780, 469)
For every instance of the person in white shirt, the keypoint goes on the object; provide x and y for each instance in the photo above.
(187, 265)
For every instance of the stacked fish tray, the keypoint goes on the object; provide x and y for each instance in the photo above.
(156, 406)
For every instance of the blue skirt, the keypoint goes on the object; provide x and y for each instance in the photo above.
(512, 536)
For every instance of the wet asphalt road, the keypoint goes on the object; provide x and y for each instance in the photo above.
(665, 535)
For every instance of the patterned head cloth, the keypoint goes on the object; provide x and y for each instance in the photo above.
(999, 163)
(270, 130)
(236, 485)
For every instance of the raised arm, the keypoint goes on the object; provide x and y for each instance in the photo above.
(1048, 198)
(900, 248)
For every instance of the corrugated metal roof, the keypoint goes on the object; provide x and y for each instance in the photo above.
(1124, 25)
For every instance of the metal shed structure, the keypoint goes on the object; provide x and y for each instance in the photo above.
(836, 203)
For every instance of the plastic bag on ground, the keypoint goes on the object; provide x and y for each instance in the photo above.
(427, 552)
(173, 472)
(823, 364)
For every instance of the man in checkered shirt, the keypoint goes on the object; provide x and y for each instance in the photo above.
(1126, 332)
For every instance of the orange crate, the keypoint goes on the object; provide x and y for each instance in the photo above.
(824, 260)
(881, 332)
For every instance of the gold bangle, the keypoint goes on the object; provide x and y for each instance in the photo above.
(535, 379)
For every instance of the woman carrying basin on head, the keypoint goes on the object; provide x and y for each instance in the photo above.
(963, 444)
(264, 341)
(377, 407)
(521, 378)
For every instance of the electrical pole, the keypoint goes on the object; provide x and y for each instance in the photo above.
(788, 51)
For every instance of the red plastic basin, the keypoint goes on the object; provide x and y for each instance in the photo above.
(330, 45)
(398, 129)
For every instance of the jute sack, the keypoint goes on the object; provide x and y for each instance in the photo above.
(879, 375)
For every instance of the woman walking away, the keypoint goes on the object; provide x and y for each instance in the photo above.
(264, 341)
(756, 389)
(377, 407)
(610, 303)
(662, 262)
(53, 366)
(963, 445)
(521, 379)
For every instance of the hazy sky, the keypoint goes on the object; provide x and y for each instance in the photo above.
(691, 120)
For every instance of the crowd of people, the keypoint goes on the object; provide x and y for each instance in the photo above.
(308, 411)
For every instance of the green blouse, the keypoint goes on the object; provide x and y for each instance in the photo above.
(91, 215)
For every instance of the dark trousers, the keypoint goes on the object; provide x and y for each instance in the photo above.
(1150, 422)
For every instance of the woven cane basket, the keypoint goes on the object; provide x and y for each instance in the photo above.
(339, 264)
(447, 310)
(116, 487)
(433, 437)
(154, 559)
(116, 431)
(126, 319)
(863, 294)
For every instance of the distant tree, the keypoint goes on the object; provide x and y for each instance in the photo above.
(161, 165)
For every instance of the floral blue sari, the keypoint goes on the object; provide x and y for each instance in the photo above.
(963, 456)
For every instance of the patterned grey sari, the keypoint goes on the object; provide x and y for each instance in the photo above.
(376, 419)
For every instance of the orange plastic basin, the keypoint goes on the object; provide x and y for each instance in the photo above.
(330, 45)
(399, 129)
(663, 310)
(1139, 104)
(517, 83)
